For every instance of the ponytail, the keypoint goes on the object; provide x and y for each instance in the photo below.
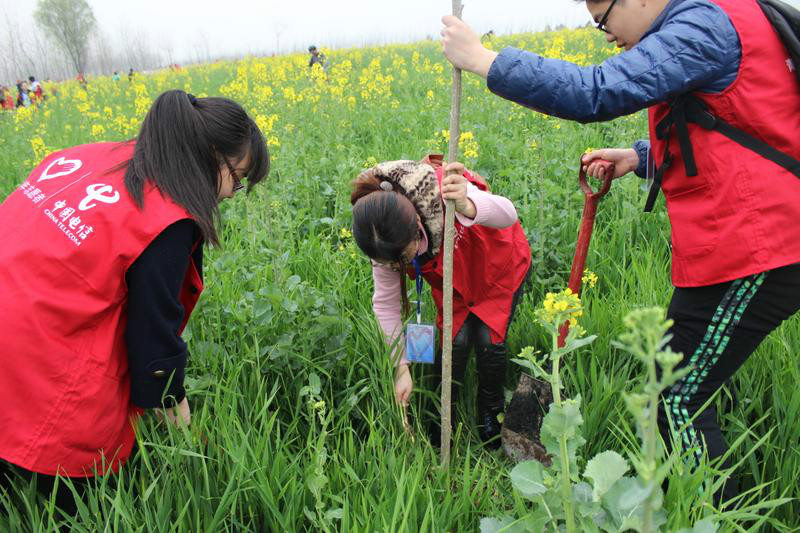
(182, 144)
(366, 183)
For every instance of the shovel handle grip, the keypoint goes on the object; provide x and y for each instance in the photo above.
(608, 176)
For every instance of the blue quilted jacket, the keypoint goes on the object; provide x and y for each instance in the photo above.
(691, 46)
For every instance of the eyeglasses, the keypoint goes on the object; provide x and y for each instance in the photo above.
(604, 19)
(413, 253)
(237, 182)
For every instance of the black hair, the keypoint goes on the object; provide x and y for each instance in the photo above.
(384, 223)
(180, 149)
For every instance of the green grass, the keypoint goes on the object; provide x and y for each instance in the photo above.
(288, 298)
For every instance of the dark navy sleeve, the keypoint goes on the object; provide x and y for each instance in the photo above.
(156, 353)
(695, 47)
(642, 148)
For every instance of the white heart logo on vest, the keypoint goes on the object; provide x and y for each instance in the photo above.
(71, 166)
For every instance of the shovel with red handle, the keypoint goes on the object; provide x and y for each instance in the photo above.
(585, 233)
(525, 412)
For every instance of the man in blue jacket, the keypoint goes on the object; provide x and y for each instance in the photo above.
(717, 52)
(698, 49)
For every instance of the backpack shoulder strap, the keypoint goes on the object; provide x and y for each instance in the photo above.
(697, 112)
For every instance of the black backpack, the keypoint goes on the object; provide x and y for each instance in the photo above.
(686, 108)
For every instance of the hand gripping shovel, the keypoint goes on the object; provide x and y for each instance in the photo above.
(523, 420)
(585, 233)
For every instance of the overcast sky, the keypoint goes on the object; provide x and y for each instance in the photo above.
(233, 27)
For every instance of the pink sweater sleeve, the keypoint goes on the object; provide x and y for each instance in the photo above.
(491, 210)
(387, 305)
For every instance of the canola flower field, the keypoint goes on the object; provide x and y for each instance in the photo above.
(294, 425)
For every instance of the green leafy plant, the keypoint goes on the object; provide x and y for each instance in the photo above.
(319, 420)
(604, 498)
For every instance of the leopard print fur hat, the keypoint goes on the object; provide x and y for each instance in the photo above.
(417, 182)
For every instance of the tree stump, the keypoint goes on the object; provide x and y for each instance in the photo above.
(523, 421)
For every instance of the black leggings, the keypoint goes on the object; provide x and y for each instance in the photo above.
(11, 474)
(717, 328)
(491, 359)
(65, 500)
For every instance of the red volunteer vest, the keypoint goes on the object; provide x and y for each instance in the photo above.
(739, 215)
(489, 265)
(70, 233)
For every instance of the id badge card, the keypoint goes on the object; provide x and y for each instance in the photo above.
(420, 339)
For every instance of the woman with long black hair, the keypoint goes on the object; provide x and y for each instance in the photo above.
(100, 268)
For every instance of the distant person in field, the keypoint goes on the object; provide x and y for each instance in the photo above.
(115, 76)
(81, 80)
(6, 100)
(23, 95)
(94, 298)
(131, 74)
(398, 222)
(36, 90)
(733, 211)
(317, 58)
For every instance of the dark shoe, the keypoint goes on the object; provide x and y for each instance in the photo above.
(489, 429)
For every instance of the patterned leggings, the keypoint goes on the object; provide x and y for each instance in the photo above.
(717, 328)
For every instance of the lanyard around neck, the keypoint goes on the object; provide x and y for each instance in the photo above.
(418, 271)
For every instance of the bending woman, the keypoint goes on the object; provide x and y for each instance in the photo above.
(398, 218)
(100, 268)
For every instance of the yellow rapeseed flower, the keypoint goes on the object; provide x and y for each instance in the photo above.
(468, 145)
(589, 278)
(560, 307)
(39, 148)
